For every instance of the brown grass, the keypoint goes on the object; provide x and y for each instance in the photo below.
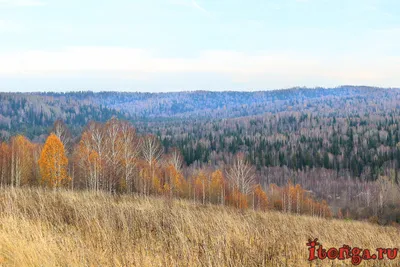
(44, 228)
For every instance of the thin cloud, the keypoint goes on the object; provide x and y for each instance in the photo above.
(197, 6)
(260, 67)
(116, 59)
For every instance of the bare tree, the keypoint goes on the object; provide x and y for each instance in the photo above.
(175, 158)
(130, 151)
(151, 152)
(241, 175)
(113, 151)
(90, 155)
(151, 149)
(63, 133)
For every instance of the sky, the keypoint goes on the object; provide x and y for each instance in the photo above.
(180, 45)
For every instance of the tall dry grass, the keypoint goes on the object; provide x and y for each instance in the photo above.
(45, 228)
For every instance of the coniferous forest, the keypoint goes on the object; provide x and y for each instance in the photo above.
(324, 152)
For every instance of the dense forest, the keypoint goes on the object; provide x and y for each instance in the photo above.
(341, 145)
(111, 157)
(33, 115)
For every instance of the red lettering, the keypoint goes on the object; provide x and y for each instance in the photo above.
(356, 258)
(311, 245)
(381, 251)
(321, 253)
(332, 253)
(344, 250)
(366, 255)
(391, 253)
(357, 255)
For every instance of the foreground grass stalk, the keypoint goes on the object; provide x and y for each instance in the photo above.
(63, 228)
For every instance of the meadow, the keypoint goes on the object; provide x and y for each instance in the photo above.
(41, 227)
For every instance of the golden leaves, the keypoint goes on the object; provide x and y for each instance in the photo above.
(53, 162)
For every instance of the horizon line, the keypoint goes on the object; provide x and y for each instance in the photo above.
(200, 90)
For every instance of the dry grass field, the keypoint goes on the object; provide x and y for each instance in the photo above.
(46, 228)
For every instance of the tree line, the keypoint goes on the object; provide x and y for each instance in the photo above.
(342, 159)
(112, 157)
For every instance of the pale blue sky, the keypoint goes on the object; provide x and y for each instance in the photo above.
(173, 45)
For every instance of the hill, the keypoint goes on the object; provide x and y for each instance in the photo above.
(33, 113)
(341, 145)
(65, 228)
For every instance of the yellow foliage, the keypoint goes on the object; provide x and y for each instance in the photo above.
(166, 189)
(176, 180)
(53, 162)
(261, 199)
(238, 199)
(217, 185)
(21, 151)
(157, 185)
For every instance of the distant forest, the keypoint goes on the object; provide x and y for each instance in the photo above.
(342, 144)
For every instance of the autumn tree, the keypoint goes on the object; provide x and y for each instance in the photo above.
(200, 185)
(21, 160)
(96, 142)
(4, 163)
(237, 199)
(175, 179)
(260, 200)
(151, 151)
(35, 172)
(89, 156)
(173, 169)
(113, 152)
(62, 132)
(217, 187)
(130, 147)
(241, 175)
(53, 163)
(175, 158)
(275, 196)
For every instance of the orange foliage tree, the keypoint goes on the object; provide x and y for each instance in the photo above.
(175, 180)
(22, 164)
(53, 163)
(88, 162)
(4, 163)
(200, 186)
(111, 157)
(217, 187)
(237, 199)
(260, 200)
(296, 199)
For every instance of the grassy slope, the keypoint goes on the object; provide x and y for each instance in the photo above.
(39, 228)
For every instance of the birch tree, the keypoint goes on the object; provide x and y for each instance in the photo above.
(53, 162)
(130, 151)
(241, 175)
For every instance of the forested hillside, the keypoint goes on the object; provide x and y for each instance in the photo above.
(341, 145)
(206, 104)
(34, 114)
